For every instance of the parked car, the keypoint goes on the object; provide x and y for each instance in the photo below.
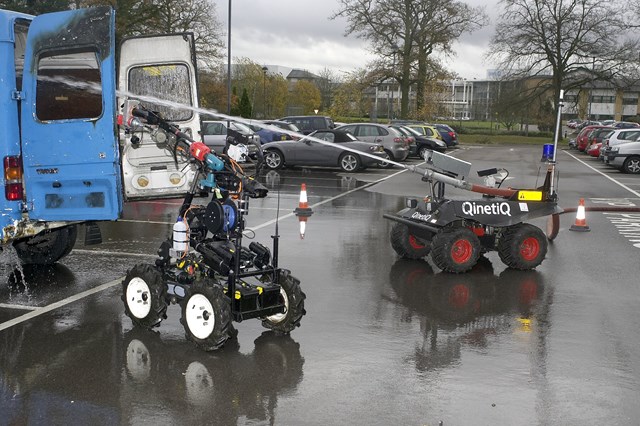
(625, 125)
(596, 137)
(426, 130)
(310, 123)
(285, 125)
(582, 140)
(624, 156)
(267, 133)
(310, 152)
(449, 136)
(214, 135)
(395, 145)
(573, 123)
(619, 136)
(422, 143)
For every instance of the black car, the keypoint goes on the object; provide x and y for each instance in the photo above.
(422, 143)
(310, 123)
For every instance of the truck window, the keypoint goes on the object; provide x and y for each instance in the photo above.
(62, 92)
(168, 82)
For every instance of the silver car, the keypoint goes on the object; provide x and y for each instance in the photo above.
(310, 152)
(624, 156)
(395, 144)
(214, 135)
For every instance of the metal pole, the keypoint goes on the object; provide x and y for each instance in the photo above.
(393, 73)
(229, 61)
(264, 91)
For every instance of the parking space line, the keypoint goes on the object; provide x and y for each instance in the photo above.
(59, 304)
(637, 194)
(20, 307)
(43, 310)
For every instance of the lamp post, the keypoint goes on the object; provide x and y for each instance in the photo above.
(229, 62)
(593, 68)
(393, 76)
(264, 91)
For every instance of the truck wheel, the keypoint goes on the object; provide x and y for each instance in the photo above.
(631, 165)
(48, 247)
(407, 245)
(206, 315)
(293, 298)
(522, 246)
(145, 296)
(455, 249)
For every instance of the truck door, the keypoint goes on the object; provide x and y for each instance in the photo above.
(160, 72)
(69, 144)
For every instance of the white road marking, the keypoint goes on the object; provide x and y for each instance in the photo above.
(43, 310)
(20, 307)
(58, 304)
(637, 194)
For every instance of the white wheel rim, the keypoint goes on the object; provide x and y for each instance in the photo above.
(138, 298)
(275, 318)
(138, 360)
(200, 316)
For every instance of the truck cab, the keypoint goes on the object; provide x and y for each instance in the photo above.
(65, 159)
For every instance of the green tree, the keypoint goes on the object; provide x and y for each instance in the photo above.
(244, 107)
(305, 95)
(350, 99)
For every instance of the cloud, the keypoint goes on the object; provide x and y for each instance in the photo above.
(299, 34)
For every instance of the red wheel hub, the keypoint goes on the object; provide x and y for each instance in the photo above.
(530, 248)
(459, 296)
(415, 243)
(461, 251)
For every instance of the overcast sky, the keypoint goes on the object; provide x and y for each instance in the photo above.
(299, 34)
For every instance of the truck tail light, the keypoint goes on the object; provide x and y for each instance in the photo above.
(13, 189)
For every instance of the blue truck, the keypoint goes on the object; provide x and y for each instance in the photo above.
(66, 161)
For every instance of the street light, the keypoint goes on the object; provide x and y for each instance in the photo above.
(593, 68)
(229, 63)
(264, 91)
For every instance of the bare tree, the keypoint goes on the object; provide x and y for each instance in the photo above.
(573, 41)
(406, 32)
(196, 16)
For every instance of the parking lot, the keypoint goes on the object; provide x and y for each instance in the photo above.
(384, 340)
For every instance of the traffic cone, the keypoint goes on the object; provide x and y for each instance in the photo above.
(581, 219)
(303, 208)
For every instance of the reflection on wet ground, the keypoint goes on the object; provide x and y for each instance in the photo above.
(466, 309)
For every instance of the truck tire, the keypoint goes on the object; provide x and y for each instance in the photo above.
(48, 247)
(206, 315)
(455, 249)
(144, 294)
(522, 246)
(407, 245)
(293, 299)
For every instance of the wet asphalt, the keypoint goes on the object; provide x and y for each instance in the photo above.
(384, 341)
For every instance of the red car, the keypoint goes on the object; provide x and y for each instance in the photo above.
(594, 149)
(582, 141)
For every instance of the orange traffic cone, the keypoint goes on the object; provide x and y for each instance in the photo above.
(581, 219)
(303, 211)
(303, 208)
